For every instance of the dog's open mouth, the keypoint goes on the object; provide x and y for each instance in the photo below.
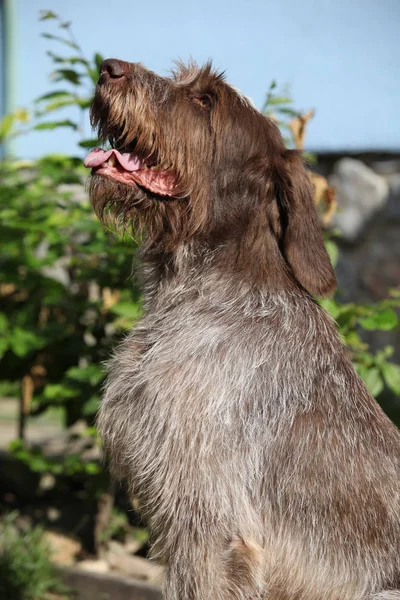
(129, 168)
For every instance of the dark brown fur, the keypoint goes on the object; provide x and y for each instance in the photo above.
(263, 464)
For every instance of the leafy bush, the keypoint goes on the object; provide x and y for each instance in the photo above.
(66, 288)
(26, 572)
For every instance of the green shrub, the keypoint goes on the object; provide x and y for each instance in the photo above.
(26, 572)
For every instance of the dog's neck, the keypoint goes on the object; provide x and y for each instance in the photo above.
(202, 268)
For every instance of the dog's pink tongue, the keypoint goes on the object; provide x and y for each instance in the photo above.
(128, 160)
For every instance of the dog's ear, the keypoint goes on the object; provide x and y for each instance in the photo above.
(301, 236)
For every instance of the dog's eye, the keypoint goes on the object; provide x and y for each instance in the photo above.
(205, 101)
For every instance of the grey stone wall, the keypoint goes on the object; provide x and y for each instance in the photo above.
(368, 196)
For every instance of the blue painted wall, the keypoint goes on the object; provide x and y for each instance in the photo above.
(341, 57)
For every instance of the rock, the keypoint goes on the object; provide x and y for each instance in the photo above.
(133, 566)
(108, 586)
(116, 548)
(64, 549)
(394, 198)
(133, 546)
(94, 566)
(386, 167)
(360, 194)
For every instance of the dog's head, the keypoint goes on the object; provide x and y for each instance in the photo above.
(191, 158)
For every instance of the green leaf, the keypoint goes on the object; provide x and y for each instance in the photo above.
(391, 374)
(23, 341)
(6, 124)
(98, 59)
(127, 309)
(92, 374)
(279, 100)
(290, 112)
(51, 95)
(55, 124)
(332, 307)
(310, 158)
(47, 14)
(394, 293)
(4, 346)
(3, 323)
(347, 316)
(58, 392)
(67, 74)
(354, 341)
(382, 355)
(70, 60)
(84, 102)
(91, 406)
(39, 464)
(57, 38)
(22, 115)
(384, 320)
(372, 379)
(89, 143)
(93, 74)
(56, 104)
(92, 468)
(16, 445)
(333, 251)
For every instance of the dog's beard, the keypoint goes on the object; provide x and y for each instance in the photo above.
(132, 156)
(157, 222)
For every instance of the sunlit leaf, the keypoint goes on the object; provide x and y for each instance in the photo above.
(59, 391)
(372, 379)
(67, 60)
(91, 406)
(384, 320)
(6, 124)
(22, 341)
(3, 323)
(67, 74)
(98, 59)
(333, 251)
(279, 100)
(55, 124)
(92, 374)
(391, 374)
(52, 95)
(4, 346)
(89, 143)
(58, 38)
(47, 14)
(51, 106)
(127, 309)
(22, 115)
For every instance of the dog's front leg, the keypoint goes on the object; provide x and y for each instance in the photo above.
(204, 564)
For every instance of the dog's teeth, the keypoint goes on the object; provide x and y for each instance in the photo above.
(112, 161)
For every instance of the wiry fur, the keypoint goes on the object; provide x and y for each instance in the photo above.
(232, 410)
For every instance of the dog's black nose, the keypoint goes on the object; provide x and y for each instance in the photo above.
(112, 69)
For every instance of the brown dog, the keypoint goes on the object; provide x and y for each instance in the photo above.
(232, 409)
